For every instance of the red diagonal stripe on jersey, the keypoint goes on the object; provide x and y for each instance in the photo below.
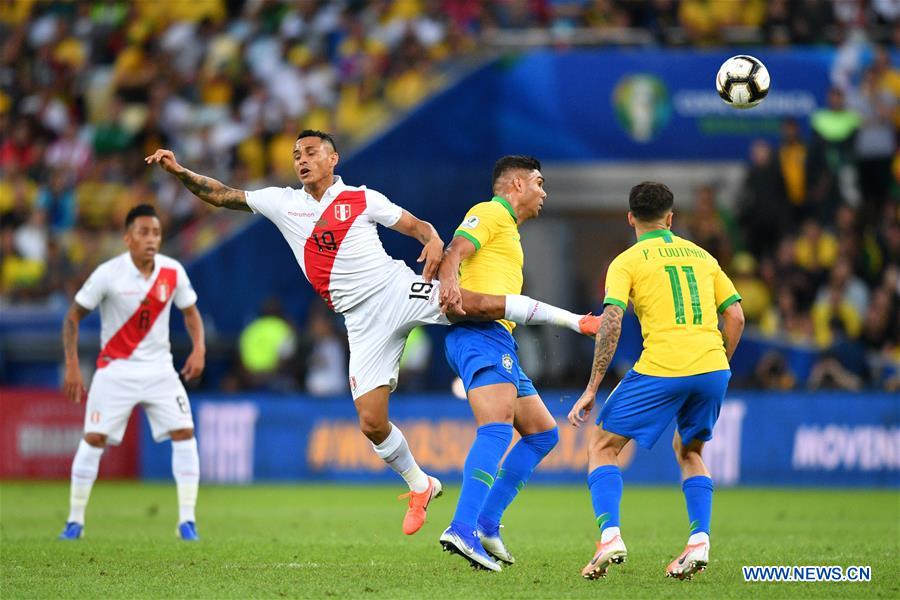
(136, 328)
(325, 240)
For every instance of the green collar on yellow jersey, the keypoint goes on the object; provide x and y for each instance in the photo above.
(663, 233)
(507, 206)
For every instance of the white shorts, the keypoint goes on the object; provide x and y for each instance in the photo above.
(377, 329)
(119, 387)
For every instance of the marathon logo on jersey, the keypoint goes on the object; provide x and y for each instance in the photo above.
(342, 212)
(507, 362)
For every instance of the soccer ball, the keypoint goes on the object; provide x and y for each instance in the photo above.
(742, 81)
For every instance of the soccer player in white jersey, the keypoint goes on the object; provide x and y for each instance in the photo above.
(331, 228)
(135, 292)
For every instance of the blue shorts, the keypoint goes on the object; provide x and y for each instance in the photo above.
(485, 353)
(642, 406)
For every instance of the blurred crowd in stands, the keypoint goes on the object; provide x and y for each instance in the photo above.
(814, 242)
(88, 88)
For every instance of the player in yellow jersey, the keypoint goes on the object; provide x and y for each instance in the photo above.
(486, 251)
(678, 291)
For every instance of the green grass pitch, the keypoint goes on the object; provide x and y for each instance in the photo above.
(331, 541)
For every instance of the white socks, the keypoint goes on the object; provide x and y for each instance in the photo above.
(395, 452)
(699, 538)
(84, 474)
(608, 534)
(528, 311)
(186, 469)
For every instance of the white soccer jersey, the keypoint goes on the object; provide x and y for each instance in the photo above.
(335, 241)
(134, 311)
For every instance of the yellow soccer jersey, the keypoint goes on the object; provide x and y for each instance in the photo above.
(678, 289)
(496, 266)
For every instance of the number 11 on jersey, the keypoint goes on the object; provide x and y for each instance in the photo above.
(678, 295)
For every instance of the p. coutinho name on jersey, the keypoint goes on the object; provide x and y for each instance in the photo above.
(674, 252)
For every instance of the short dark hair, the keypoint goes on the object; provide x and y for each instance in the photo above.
(325, 137)
(514, 161)
(141, 210)
(650, 201)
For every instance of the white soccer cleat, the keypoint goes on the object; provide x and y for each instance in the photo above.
(612, 552)
(693, 560)
(493, 545)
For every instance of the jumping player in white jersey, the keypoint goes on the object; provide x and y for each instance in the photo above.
(135, 292)
(331, 228)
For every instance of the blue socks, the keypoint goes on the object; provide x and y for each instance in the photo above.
(698, 492)
(606, 493)
(491, 442)
(517, 469)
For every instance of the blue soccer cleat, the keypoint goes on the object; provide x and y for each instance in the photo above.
(72, 531)
(187, 531)
(469, 547)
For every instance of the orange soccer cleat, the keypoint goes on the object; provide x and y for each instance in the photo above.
(418, 503)
(590, 324)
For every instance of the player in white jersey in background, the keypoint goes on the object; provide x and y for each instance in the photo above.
(135, 292)
(331, 229)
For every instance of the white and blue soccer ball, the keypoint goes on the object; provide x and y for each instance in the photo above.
(742, 81)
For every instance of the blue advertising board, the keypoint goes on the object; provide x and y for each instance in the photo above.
(825, 439)
(596, 105)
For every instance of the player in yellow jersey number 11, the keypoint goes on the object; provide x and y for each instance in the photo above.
(682, 373)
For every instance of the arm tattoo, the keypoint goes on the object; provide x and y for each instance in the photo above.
(198, 185)
(213, 192)
(70, 336)
(421, 231)
(605, 346)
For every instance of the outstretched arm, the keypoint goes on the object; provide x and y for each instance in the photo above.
(451, 297)
(428, 236)
(732, 328)
(196, 361)
(206, 188)
(604, 348)
(73, 383)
